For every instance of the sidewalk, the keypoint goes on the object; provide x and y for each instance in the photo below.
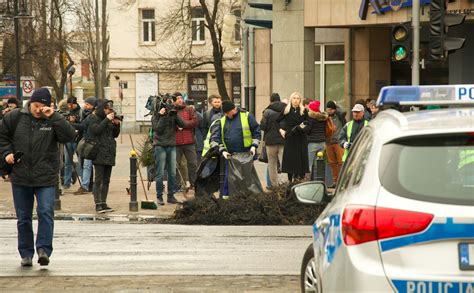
(82, 207)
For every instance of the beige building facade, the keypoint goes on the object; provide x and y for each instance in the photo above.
(146, 60)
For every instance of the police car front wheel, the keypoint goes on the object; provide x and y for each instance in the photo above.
(309, 280)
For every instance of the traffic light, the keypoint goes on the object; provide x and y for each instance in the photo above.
(401, 42)
(440, 44)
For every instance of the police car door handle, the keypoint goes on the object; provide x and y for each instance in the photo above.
(325, 222)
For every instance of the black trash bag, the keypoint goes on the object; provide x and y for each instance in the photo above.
(242, 176)
(207, 175)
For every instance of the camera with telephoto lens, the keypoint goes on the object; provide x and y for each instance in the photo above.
(117, 116)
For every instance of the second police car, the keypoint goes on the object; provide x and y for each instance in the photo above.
(402, 215)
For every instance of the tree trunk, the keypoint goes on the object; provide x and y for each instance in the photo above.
(105, 48)
(216, 47)
(97, 74)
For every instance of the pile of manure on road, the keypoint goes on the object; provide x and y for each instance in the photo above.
(274, 207)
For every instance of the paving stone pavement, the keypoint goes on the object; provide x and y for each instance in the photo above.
(81, 207)
(152, 284)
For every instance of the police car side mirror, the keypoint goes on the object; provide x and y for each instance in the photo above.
(313, 192)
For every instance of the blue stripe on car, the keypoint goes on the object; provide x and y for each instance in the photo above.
(437, 231)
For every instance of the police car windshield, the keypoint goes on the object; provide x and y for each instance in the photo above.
(430, 168)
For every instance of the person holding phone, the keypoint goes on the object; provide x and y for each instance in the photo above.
(35, 131)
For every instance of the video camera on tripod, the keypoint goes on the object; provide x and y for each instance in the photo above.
(156, 103)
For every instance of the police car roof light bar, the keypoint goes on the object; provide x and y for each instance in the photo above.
(426, 95)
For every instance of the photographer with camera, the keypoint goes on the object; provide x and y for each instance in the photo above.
(34, 132)
(86, 164)
(73, 116)
(165, 122)
(351, 130)
(12, 103)
(104, 127)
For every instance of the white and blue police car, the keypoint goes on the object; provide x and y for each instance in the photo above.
(401, 218)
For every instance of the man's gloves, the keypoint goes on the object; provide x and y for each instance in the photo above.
(253, 150)
(346, 145)
(226, 155)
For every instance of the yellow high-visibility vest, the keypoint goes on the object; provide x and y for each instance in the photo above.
(207, 141)
(349, 132)
(247, 134)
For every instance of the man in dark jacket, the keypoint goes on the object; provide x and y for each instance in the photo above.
(236, 132)
(103, 128)
(73, 116)
(214, 112)
(274, 142)
(185, 138)
(351, 130)
(165, 124)
(34, 131)
(86, 164)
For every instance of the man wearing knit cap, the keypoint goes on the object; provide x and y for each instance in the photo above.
(185, 143)
(34, 133)
(73, 116)
(335, 152)
(165, 123)
(12, 104)
(86, 165)
(274, 142)
(351, 130)
(236, 132)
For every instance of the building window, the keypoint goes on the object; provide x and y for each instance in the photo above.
(197, 25)
(148, 25)
(237, 37)
(329, 73)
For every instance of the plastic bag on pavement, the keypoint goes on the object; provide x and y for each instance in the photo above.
(242, 176)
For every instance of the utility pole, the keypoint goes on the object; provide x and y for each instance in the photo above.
(415, 23)
(98, 90)
(16, 28)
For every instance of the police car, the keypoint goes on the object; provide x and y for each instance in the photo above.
(402, 216)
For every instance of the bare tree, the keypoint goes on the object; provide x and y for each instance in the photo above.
(44, 45)
(178, 23)
(105, 46)
(85, 12)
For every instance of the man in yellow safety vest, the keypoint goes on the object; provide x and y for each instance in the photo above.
(351, 130)
(236, 132)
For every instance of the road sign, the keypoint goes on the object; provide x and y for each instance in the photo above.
(27, 85)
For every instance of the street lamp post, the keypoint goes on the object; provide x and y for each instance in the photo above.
(16, 27)
(19, 12)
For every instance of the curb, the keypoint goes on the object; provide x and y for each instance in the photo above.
(124, 218)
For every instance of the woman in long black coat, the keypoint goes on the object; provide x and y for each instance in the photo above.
(292, 123)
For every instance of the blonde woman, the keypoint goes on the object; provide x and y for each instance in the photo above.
(292, 125)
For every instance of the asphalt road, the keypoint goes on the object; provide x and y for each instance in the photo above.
(114, 249)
